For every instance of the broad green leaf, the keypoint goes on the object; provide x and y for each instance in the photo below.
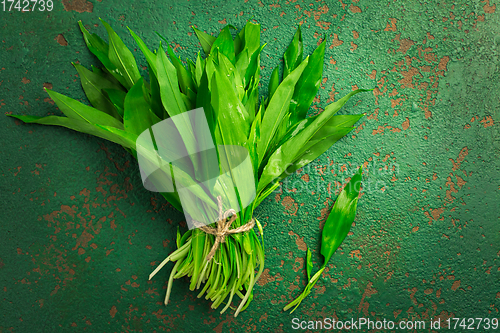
(150, 56)
(205, 39)
(184, 77)
(156, 104)
(341, 216)
(274, 82)
(117, 97)
(335, 230)
(203, 100)
(192, 71)
(224, 43)
(200, 68)
(308, 85)
(138, 116)
(314, 149)
(231, 115)
(80, 111)
(112, 134)
(93, 85)
(309, 264)
(293, 54)
(101, 50)
(277, 108)
(287, 152)
(169, 85)
(122, 58)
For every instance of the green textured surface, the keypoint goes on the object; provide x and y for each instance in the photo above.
(79, 234)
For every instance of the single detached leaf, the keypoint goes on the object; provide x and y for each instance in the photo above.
(205, 39)
(341, 216)
(122, 58)
(80, 111)
(309, 264)
(293, 54)
(93, 85)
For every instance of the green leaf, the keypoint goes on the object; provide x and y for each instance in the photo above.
(293, 54)
(150, 56)
(224, 43)
(341, 216)
(287, 152)
(101, 49)
(112, 134)
(274, 82)
(205, 39)
(308, 85)
(80, 111)
(200, 68)
(156, 104)
(93, 85)
(169, 85)
(184, 77)
(117, 97)
(137, 117)
(309, 264)
(277, 108)
(198, 243)
(122, 58)
(314, 149)
(231, 115)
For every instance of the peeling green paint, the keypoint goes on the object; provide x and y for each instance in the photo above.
(80, 234)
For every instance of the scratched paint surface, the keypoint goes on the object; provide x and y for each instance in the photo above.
(80, 235)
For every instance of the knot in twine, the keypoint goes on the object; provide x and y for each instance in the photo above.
(223, 227)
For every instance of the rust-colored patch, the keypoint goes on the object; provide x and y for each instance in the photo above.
(436, 213)
(336, 41)
(354, 9)
(290, 206)
(489, 9)
(353, 46)
(369, 291)
(47, 85)
(391, 26)
(222, 21)
(487, 121)
(113, 311)
(61, 40)
(79, 6)
(299, 241)
(404, 44)
(406, 124)
(265, 278)
(461, 156)
(355, 34)
(25, 80)
(455, 285)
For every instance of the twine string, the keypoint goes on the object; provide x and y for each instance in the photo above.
(222, 228)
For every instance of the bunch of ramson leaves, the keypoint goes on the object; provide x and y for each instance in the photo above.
(278, 135)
